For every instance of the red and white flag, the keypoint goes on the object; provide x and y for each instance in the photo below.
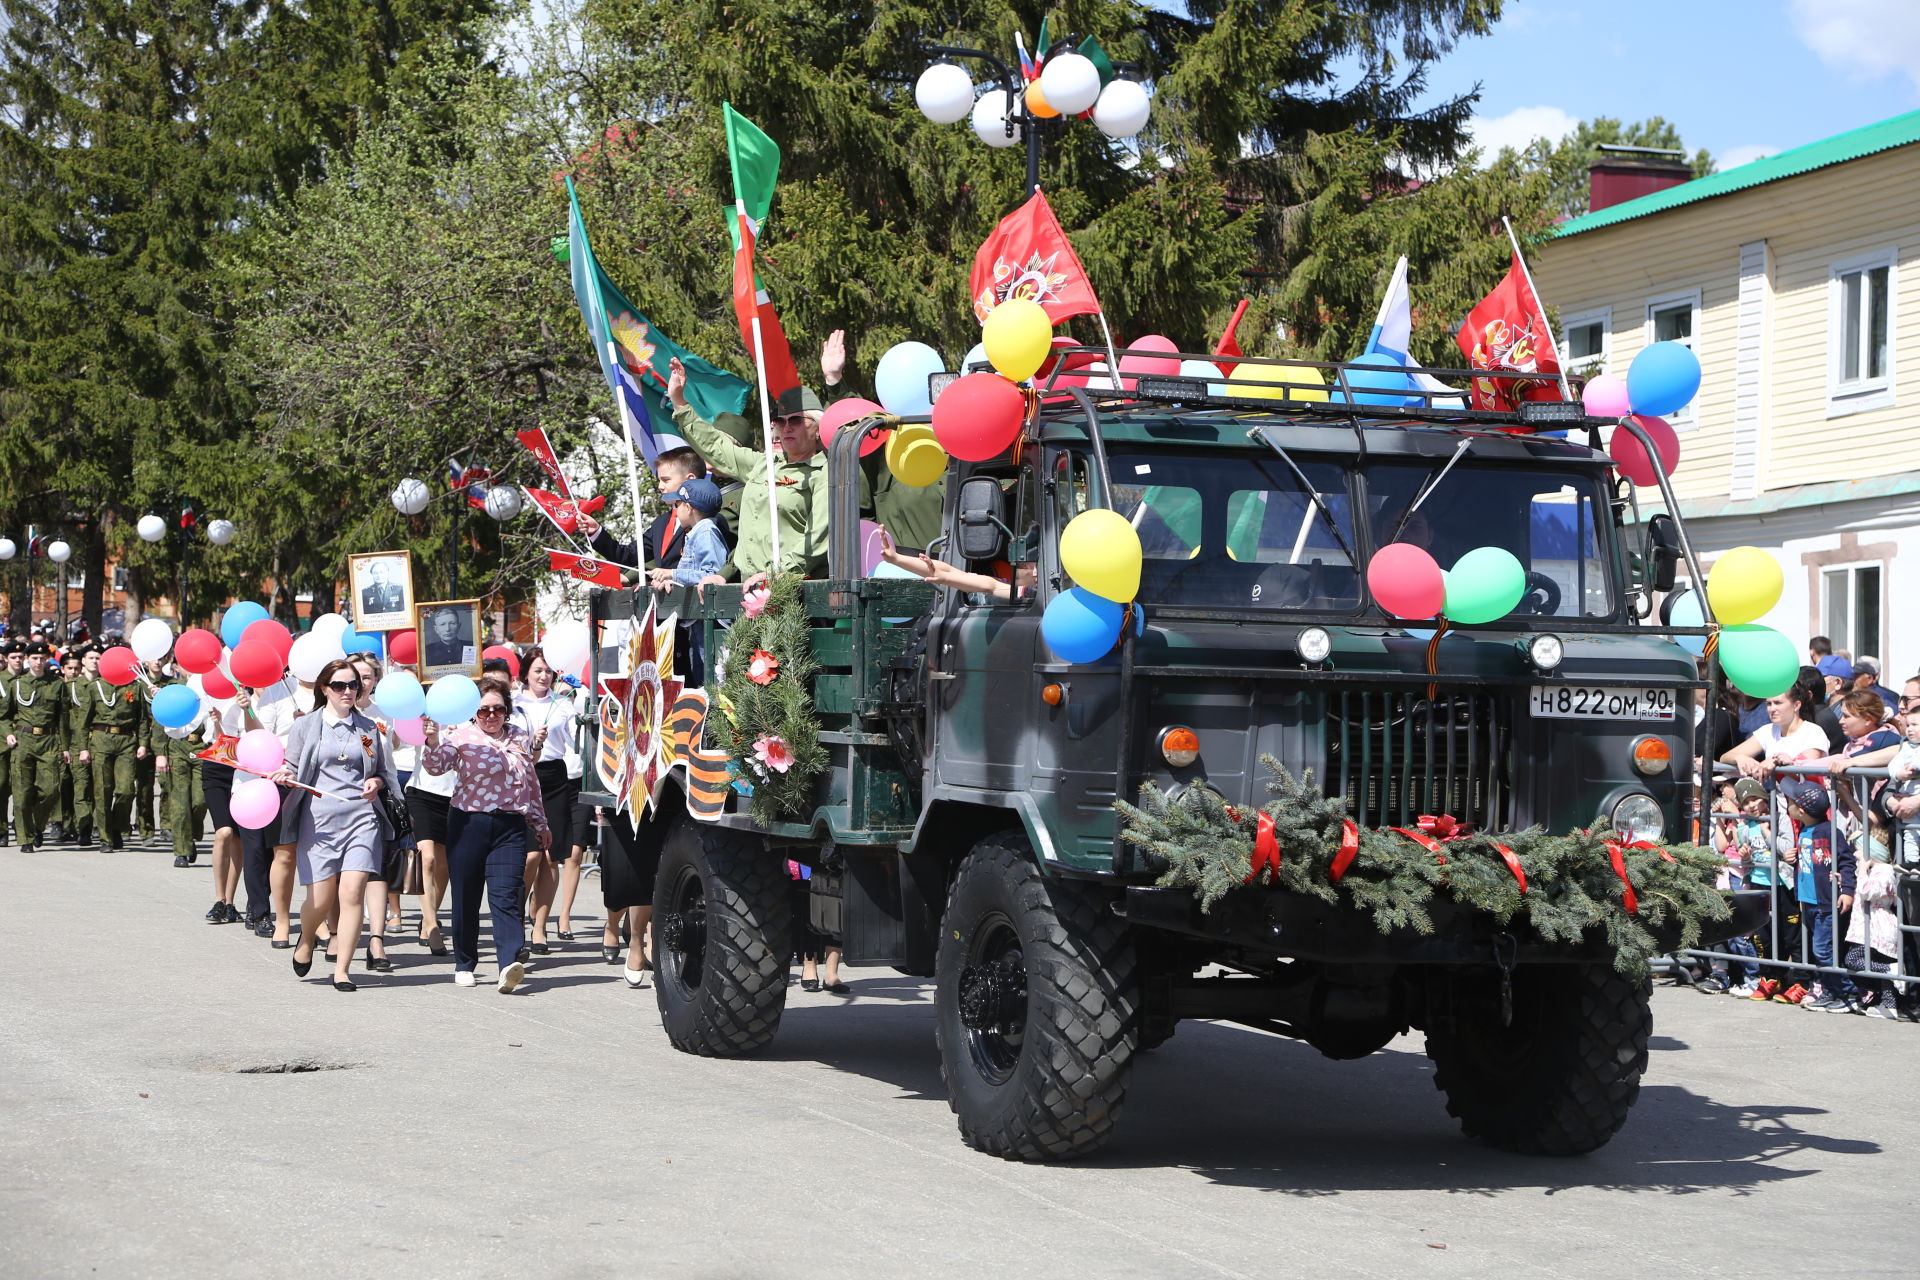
(542, 450)
(564, 512)
(602, 573)
(1029, 256)
(1507, 331)
(750, 302)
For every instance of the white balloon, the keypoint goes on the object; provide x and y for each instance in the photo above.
(977, 356)
(566, 645)
(151, 528)
(1070, 82)
(1208, 372)
(151, 639)
(220, 532)
(1122, 109)
(8, 548)
(944, 93)
(332, 625)
(990, 120)
(504, 502)
(311, 652)
(410, 497)
(59, 552)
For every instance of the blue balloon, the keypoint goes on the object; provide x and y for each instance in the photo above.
(399, 695)
(1080, 626)
(1384, 379)
(237, 620)
(1662, 379)
(1686, 613)
(175, 706)
(352, 642)
(453, 699)
(900, 379)
(885, 570)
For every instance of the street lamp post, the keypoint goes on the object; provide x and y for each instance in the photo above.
(411, 497)
(153, 528)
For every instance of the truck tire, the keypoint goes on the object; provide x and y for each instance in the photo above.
(722, 940)
(1561, 1078)
(1036, 1007)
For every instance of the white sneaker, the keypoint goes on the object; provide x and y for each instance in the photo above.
(636, 978)
(511, 975)
(463, 977)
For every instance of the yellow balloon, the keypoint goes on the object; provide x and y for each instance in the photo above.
(1018, 338)
(914, 457)
(1101, 551)
(1743, 584)
(1246, 377)
(1037, 102)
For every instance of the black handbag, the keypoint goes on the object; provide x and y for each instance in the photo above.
(401, 822)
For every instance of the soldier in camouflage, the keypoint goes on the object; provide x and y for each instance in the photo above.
(35, 729)
(107, 736)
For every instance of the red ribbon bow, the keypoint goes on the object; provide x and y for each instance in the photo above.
(1348, 851)
(1447, 829)
(1618, 852)
(1266, 850)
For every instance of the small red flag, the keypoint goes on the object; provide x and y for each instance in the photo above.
(602, 573)
(750, 301)
(1507, 330)
(1029, 256)
(1229, 338)
(541, 448)
(564, 512)
(222, 751)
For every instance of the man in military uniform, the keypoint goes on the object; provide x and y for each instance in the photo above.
(34, 728)
(106, 737)
(14, 657)
(145, 760)
(81, 669)
(177, 764)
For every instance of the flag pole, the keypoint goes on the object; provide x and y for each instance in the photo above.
(633, 472)
(1566, 388)
(766, 410)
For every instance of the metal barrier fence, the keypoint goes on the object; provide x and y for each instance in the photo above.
(1790, 947)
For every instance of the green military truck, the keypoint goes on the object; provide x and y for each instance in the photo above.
(963, 824)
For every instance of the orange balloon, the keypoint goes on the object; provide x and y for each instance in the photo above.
(1037, 103)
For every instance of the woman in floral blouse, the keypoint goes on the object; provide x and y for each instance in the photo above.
(494, 815)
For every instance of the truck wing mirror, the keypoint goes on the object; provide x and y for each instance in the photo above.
(982, 533)
(1663, 551)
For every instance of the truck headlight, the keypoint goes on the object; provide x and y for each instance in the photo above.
(1545, 652)
(1314, 644)
(1638, 817)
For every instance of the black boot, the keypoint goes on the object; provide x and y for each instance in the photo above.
(56, 834)
(84, 837)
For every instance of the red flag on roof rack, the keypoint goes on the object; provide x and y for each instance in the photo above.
(1029, 256)
(1507, 331)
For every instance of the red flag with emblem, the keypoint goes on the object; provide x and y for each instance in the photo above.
(1507, 331)
(542, 450)
(601, 573)
(1029, 256)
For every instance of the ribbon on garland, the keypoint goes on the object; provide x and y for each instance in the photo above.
(1266, 850)
(1348, 851)
(1435, 830)
(1618, 853)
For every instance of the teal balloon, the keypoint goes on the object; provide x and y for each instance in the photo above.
(237, 620)
(1662, 379)
(1760, 661)
(1484, 584)
(175, 706)
(1080, 626)
(453, 699)
(885, 570)
(1686, 613)
(900, 379)
(1379, 379)
(399, 695)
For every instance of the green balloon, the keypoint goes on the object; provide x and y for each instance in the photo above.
(1760, 661)
(1484, 584)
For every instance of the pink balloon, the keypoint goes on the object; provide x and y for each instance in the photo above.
(842, 412)
(1132, 366)
(254, 803)
(1406, 581)
(260, 751)
(869, 547)
(412, 732)
(1631, 456)
(1606, 397)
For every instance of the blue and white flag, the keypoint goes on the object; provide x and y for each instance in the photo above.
(1393, 335)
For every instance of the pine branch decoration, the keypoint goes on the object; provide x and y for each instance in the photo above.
(780, 709)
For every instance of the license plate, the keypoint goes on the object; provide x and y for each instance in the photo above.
(1582, 702)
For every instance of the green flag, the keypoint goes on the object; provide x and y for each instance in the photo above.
(755, 160)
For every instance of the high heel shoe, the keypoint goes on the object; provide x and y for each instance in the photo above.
(380, 963)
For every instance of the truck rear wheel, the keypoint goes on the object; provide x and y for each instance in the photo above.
(1037, 1007)
(1559, 1079)
(722, 940)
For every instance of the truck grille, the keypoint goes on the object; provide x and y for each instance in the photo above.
(1398, 754)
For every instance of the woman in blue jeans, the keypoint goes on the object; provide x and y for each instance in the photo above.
(494, 815)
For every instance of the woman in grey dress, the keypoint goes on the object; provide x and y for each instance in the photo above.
(340, 834)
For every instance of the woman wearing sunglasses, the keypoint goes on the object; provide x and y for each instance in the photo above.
(340, 835)
(494, 818)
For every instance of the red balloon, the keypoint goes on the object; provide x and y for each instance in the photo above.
(271, 633)
(1631, 456)
(1065, 363)
(506, 655)
(979, 417)
(844, 412)
(403, 647)
(255, 664)
(197, 651)
(119, 665)
(217, 685)
(1406, 581)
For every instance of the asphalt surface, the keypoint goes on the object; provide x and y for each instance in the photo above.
(555, 1133)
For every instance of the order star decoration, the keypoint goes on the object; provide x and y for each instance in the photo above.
(644, 694)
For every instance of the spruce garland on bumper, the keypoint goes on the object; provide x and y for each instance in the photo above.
(1303, 842)
(772, 733)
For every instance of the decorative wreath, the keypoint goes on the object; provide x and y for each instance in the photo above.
(1303, 841)
(772, 732)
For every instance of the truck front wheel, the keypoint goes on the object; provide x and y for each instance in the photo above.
(1559, 1076)
(722, 940)
(1037, 1007)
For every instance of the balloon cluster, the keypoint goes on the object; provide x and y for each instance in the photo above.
(1742, 586)
(1068, 83)
(250, 649)
(1485, 584)
(1101, 551)
(1662, 379)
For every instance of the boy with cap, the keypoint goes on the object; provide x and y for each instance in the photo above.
(1820, 850)
(703, 552)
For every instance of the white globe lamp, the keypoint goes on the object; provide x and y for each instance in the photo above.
(944, 93)
(59, 552)
(504, 502)
(1070, 82)
(410, 497)
(1122, 109)
(151, 528)
(220, 532)
(8, 548)
(990, 120)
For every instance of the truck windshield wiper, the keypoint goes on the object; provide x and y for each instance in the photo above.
(1306, 486)
(1428, 488)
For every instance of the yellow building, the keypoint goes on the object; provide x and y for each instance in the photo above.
(1794, 280)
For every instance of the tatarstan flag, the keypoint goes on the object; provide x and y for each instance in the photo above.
(755, 161)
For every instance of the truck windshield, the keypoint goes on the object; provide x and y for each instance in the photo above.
(1545, 517)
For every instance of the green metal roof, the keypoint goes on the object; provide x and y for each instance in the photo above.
(1900, 131)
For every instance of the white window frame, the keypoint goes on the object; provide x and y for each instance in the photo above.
(1862, 394)
(1688, 418)
(1854, 645)
(1602, 316)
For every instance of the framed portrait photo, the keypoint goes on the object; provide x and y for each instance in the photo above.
(449, 632)
(381, 583)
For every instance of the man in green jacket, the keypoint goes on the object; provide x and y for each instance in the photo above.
(105, 734)
(176, 762)
(13, 655)
(34, 730)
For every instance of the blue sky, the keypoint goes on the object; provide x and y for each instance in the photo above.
(1741, 78)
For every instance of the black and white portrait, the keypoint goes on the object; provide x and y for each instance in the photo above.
(381, 584)
(449, 633)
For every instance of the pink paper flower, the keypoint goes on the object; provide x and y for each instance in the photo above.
(754, 602)
(763, 667)
(772, 752)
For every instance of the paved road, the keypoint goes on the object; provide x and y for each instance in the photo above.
(554, 1133)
